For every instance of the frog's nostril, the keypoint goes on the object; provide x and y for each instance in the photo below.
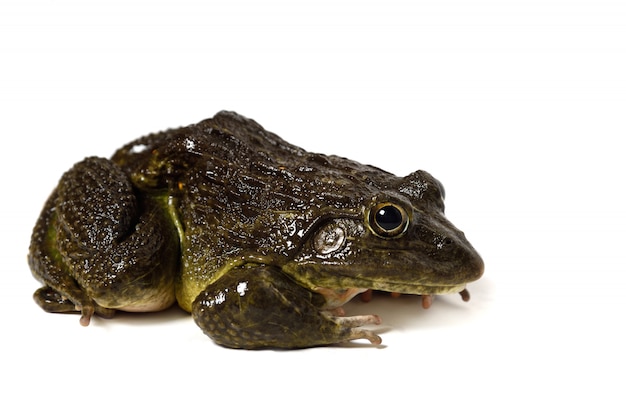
(441, 242)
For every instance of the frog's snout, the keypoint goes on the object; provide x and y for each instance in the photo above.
(470, 265)
(470, 262)
(450, 250)
(476, 267)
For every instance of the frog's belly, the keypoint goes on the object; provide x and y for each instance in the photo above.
(151, 300)
(149, 306)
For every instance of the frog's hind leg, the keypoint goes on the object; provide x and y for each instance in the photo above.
(52, 301)
(100, 247)
(258, 306)
(60, 292)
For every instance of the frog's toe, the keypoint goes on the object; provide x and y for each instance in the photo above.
(87, 311)
(360, 334)
(355, 333)
(52, 301)
(357, 320)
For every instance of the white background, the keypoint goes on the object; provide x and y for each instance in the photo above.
(518, 107)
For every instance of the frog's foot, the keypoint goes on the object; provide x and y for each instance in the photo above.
(353, 322)
(367, 295)
(52, 301)
(259, 306)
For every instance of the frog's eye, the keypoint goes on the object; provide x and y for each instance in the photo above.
(388, 220)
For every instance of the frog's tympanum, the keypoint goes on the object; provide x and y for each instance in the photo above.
(261, 241)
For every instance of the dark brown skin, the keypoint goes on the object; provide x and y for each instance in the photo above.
(258, 239)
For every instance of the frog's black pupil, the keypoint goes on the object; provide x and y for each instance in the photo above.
(389, 218)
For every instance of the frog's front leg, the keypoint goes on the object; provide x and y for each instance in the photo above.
(98, 246)
(259, 306)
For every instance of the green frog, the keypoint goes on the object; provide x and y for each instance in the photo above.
(261, 241)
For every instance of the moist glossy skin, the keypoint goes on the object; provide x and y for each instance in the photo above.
(260, 240)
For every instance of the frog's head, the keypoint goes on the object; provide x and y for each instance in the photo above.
(398, 240)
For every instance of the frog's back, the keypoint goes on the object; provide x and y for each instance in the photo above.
(241, 192)
(233, 142)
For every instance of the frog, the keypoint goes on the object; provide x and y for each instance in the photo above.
(262, 242)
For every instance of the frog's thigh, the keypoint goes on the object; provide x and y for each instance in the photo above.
(132, 251)
(102, 247)
(259, 306)
(60, 292)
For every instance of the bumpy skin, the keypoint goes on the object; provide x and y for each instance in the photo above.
(100, 247)
(258, 239)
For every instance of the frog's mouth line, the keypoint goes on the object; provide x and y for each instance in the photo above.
(395, 287)
(338, 297)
